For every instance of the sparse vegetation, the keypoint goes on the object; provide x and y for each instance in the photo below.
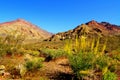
(77, 57)
(10, 44)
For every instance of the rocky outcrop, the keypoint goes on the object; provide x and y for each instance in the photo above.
(91, 28)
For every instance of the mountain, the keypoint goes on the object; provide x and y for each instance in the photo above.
(20, 26)
(91, 28)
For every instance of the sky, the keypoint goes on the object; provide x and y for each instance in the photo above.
(60, 15)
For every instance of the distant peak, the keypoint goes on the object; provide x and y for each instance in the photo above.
(20, 20)
(92, 22)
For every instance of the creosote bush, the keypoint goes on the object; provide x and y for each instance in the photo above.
(34, 64)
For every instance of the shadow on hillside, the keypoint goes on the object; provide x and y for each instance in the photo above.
(64, 76)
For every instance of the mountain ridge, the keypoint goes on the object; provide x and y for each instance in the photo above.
(22, 26)
(91, 28)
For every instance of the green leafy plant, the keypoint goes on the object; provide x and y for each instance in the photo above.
(82, 62)
(34, 64)
(109, 76)
(103, 61)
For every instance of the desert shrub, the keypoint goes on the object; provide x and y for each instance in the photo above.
(88, 57)
(32, 52)
(85, 63)
(7, 49)
(58, 53)
(10, 50)
(109, 76)
(20, 51)
(81, 62)
(103, 61)
(54, 53)
(10, 43)
(34, 64)
(35, 53)
(2, 50)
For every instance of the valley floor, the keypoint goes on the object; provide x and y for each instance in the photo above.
(57, 69)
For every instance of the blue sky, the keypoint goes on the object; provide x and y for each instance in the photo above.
(60, 15)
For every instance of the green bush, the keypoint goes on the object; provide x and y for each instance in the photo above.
(34, 64)
(58, 53)
(6, 49)
(109, 76)
(87, 57)
(54, 53)
(103, 61)
(81, 62)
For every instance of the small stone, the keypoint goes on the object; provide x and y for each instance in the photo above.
(2, 69)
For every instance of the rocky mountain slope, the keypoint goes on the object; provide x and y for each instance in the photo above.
(91, 28)
(25, 28)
